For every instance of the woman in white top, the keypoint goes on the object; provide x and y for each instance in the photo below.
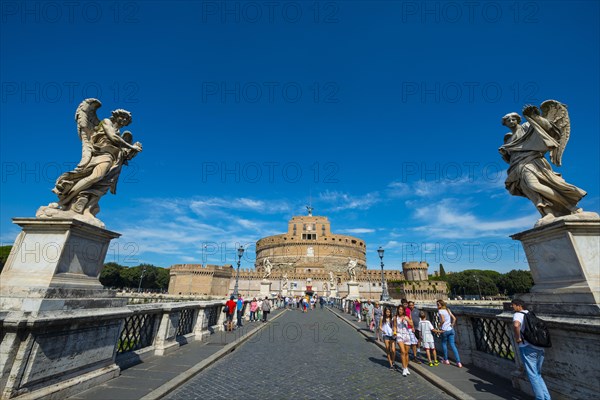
(448, 320)
(386, 326)
(404, 326)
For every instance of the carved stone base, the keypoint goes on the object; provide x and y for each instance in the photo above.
(353, 292)
(265, 288)
(55, 265)
(563, 257)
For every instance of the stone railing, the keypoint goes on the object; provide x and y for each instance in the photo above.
(70, 351)
(484, 339)
(157, 328)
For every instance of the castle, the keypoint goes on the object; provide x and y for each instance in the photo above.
(308, 259)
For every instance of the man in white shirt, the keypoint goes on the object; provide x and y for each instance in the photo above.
(532, 356)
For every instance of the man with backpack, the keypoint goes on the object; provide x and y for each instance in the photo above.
(526, 324)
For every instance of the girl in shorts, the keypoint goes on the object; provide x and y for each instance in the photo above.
(404, 326)
(386, 326)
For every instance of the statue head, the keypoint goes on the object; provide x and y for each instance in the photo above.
(510, 119)
(123, 117)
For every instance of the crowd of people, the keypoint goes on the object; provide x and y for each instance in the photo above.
(407, 329)
(260, 308)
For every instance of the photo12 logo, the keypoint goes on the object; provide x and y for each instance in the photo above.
(470, 12)
(70, 12)
(269, 92)
(468, 92)
(269, 172)
(270, 12)
(71, 92)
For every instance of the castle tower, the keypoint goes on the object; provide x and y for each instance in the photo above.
(415, 271)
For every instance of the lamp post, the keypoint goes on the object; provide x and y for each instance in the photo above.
(141, 277)
(240, 253)
(478, 287)
(385, 296)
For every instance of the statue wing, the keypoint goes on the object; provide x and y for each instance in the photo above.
(87, 121)
(556, 112)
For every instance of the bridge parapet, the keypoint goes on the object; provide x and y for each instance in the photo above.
(484, 338)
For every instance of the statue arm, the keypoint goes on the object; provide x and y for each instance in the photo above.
(114, 137)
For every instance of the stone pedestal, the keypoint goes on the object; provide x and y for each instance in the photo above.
(564, 259)
(55, 265)
(265, 288)
(60, 327)
(353, 292)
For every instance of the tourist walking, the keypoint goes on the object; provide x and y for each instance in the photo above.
(404, 326)
(532, 356)
(266, 309)
(377, 314)
(413, 313)
(448, 320)
(426, 328)
(259, 310)
(387, 329)
(230, 306)
(240, 310)
(368, 313)
(357, 308)
(253, 307)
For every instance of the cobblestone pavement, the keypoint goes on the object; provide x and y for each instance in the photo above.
(310, 355)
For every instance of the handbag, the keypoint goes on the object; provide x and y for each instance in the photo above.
(372, 326)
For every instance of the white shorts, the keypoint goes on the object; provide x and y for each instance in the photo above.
(429, 345)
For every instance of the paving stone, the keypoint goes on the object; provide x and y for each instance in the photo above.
(306, 356)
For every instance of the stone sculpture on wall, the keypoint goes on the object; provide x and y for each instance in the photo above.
(352, 268)
(267, 268)
(530, 174)
(104, 151)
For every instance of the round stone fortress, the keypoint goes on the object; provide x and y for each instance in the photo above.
(310, 246)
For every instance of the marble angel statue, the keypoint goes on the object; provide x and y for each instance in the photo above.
(104, 151)
(529, 173)
(285, 281)
(352, 268)
(267, 267)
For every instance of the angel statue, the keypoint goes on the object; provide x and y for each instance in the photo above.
(331, 280)
(285, 281)
(104, 152)
(267, 266)
(352, 268)
(529, 173)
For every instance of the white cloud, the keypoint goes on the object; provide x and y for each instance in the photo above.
(447, 220)
(356, 230)
(343, 201)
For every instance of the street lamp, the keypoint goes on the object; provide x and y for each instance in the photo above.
(237, 275)
(385, 296)
(478, 287)
(141, 277)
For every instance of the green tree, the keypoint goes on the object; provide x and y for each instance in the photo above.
(111, 275)
(516, 281)
(4, 252)
(442, 272)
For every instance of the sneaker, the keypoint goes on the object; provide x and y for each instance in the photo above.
(436, 363)
(431, 364)
(404, 372)
(446, 362)
(407, 371)
(459, 365)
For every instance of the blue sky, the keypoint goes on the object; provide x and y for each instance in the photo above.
(385, 114)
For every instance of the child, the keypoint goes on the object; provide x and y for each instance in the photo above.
(427, 338)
